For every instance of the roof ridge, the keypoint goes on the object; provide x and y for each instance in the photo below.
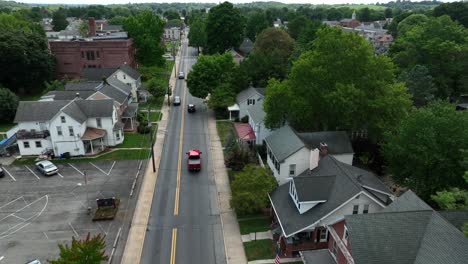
(425, 233)
(354, 181)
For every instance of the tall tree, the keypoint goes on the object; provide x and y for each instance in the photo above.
(274, 39)
(90, 250)
(59, 19)
(388, 13)
(225, 28)
(256, 23)
(197, 33)
(364, 14)
(341, 84)
(297, 25)
(171, 14)
(441, 45)
(8, 105)
(146, 29)
(420, 84)
(425, 151)
(457, 11)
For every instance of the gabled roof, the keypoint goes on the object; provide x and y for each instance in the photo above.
(29, 111)
(96, 74)
(130, 71)
(246, 46)
(68, 95)
(313, 188)
(283, 142)
(81, 110)
(348, 183)
(256, 113)
(249, 92)
(113, 81)
(456, 217)
(114, 93)
(82, 86)
(406, 235)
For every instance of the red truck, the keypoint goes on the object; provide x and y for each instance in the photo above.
(194, 160)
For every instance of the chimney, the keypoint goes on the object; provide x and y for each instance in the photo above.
(92, 26)
(314, 159)
(323, 149)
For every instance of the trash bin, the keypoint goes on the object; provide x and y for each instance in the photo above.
(66, 155)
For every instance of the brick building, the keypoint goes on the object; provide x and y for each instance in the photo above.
(100, 50)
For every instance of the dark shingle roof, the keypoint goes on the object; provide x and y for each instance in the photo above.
(119, 85)
(345, 187)
(337, 141)
(408, 201)
(256, 113)
(313, 188)
(321, 256)
(68, 95)
(130, 71)
(131, 110)
(28, 110)
(456, 217)
(82, 86)
(81, 110)
(114, 93)
(246, 46)
(283, 142)
(96, 74)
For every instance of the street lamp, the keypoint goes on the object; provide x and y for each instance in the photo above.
(86, 189)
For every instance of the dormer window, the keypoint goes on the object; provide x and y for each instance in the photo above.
(62, 119)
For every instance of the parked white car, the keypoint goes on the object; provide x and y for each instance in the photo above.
(46, 167)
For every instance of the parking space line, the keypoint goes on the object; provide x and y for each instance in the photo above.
(46, 235)
(20, 218)
(102, 229)
(9, 174)
(60, 174)
(76, 169)
(11, 202)
(74, 231)
(19, 210)
(99, 169)
(32, 172)
(111, 168)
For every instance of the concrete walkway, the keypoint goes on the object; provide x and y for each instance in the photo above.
(257, 236)
(234, 247)
(268, 261)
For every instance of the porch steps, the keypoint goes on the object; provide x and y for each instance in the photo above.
(268, 261)
(257, 236)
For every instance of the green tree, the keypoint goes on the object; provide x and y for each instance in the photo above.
(222, 96)
(419, 84)
(411, 21)
(274, 39)
(91, 250)
(297, 25)
(454, 199)
(304, 41)
(155, 87)
(256, 23)
(117, 20)
(8, 105)
(388, 13)
(225, 29)
(54, 85)
(364, 15)
(197, 33)
(341, 85)
(209, 72)
(441, 45)
(84, 28)
(250, 189)
(425, 151)
(457, 11)
(276, 103)
(59, 19)
(171, 14)
(146, 29)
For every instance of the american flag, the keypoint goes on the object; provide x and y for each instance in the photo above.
(278, 250)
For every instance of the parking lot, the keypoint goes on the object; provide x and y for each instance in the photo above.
(38, 212)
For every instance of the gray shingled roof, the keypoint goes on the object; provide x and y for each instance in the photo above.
(345, 187)
(408, 201)
(68, 95)
(81, 110)
(82, 86)
(131, 110)
(249, 92)
(114, 93)
(96, 74)
(119, 85)
(256, 113)
(283, 142)
(28, 110)
(130, 71)
(338, 141)
(456, 217)
(313, 188)
(246, 46)
(321, 256)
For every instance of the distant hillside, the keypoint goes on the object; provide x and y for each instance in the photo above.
(408, 5)
(11, 4)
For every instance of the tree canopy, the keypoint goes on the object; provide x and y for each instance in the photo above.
(197, 33)
(225, 28)
(59, 19)
(256, 23)
(146, 30)
(425, 151)
(90, 250)
(8, 105)
(420, 84)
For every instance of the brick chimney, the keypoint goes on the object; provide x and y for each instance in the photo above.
(323, 149)
(92, 26)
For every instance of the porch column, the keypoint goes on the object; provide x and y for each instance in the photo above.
(102, 145)
(131, 123)
(230, 115)
(91, 143)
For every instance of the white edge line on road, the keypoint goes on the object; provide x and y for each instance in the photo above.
(60, 174)
(9, 174)
(99, 169)
(76, 169)
(74, 231)
(32, 172)
(11, 201)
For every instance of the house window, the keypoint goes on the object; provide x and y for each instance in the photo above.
(38, 144)
(366, 209)
(59, 131)
(124, 76)
(250, 101)
(323, 235)
(335, 249)
(90, 55)
(62, 118)
(117, 135)
(345, 236)
(98, 122)
(26, 144)
(97, 54)
(355, 209)
(292, 170)
(70, 129)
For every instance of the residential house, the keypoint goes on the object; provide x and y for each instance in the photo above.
(289, 152)
(320, 196)
(246, 46)
(96, 74)
(249, 96)
(129, 76)
(78, 127)
(257, 123)
(350, 23)
(236, 56)
(407, 231)
(171, 33)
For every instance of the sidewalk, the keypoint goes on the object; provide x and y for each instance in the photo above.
(136, 236)
(257, 236)
(233, 245)
(268, 261)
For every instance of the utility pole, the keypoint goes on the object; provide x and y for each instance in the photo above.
(173, 56)
(152, 150)
(86, 189)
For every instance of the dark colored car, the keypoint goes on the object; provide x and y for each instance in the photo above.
(191, 108)
(2, 172)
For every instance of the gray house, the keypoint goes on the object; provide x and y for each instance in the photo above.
(249, 96)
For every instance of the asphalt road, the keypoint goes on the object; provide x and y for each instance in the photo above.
(184, 224)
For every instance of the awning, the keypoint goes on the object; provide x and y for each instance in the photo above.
(244, 131)
(92, 133)
(234, 107)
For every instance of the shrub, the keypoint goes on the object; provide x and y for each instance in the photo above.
(238, 157)
(245, 119)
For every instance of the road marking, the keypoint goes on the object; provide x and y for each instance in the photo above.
(113, 164)
(173, 245)
(9, 174)
(11, 202)
(99, 169)
(46, 235)
(102, 229)
(74, 231)
(76, 169)
(19, 210)
(20, 218)
(32, 172)
(60, 174)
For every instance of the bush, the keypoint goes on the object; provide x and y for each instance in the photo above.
(8, 105)
(155, 87)
(245, 119)
(143, 128)
(238, 157)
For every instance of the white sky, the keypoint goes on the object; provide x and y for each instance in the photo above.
(106, 2)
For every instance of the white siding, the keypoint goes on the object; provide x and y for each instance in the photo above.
(65, 142)
(243, 105)
(123, 77)
(33, 150)
(300, 158)
(261, 132)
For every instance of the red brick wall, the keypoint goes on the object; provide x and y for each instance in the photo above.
(339, 229)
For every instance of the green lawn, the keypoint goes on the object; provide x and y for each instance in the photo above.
(121, 154)
(153, 103)
(225, 131)
(154, 116)
(260, 249)
(254, 224)
(6, 126)
(136, 140)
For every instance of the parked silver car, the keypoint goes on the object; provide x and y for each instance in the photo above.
(46, 167)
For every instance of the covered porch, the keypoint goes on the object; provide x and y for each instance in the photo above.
(233, 111)
(245, 134)
(93, 141)
(129, 117)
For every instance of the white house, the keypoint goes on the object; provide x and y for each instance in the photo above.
(289, 152)
(321, 195)
(249, 96)
(79, 127)
(130, 77)
(257, 122)
(171, 33)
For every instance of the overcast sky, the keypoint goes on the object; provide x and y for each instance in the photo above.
(106, 2)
